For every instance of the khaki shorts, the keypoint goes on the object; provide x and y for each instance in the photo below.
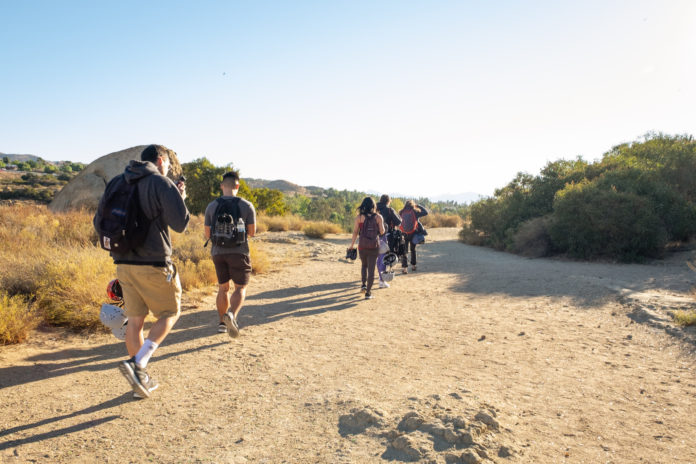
(145, 288)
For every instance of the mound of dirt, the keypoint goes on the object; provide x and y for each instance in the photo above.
(453, 429)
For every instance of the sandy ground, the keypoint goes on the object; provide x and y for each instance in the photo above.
(480, 356)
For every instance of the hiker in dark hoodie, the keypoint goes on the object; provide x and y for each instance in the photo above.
(410, 226)
(148, 279)
(391, 221)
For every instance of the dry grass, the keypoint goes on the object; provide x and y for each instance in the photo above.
(260, 261)
(54, 261)
(16, 319)
(684, 318)
(53, 271)
(279, 223)
(72, 287)
(441, 220)
(320, 229)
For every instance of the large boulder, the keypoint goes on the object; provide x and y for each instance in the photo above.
(85, 189)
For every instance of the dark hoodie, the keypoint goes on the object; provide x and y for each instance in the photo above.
(390, 216)
(161, 202)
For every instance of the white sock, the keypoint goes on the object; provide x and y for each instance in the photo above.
(145, 353)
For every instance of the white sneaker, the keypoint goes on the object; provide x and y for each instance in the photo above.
(383, 284)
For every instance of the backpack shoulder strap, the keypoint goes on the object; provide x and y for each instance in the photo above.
(222, 202)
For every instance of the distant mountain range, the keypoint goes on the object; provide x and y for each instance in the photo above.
(13, 157)
(461, 198)
(293, 189)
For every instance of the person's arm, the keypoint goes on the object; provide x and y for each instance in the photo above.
(380, 223)
(356, 229)
(174, 211)
(251, 221)
(423, 211)
(396, 219)
(207, 221)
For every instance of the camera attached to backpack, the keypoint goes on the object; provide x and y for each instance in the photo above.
(229, 229)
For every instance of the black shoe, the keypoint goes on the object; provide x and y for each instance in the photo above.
(368, 296)
(363, 289)
(140, 381)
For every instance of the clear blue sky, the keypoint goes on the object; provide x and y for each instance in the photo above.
(421, 98)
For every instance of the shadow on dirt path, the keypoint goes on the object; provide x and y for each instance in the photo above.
(191, 326)
(273, 305)
(126, 397)
(649, 290)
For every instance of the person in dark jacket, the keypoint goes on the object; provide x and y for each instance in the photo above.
(419, 211)
(148, 279)
(391, 221)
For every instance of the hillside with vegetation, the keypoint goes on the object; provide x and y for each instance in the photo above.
(307, 203)
(29, 177)
(628, 206)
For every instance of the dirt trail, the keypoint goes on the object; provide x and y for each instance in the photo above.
(479, 356)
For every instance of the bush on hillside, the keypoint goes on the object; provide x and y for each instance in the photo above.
(677, 215)
(532, 238)
(471, 236)
(655, 176)
(592, 222)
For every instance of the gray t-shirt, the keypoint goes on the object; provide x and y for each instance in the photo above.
(248, 215)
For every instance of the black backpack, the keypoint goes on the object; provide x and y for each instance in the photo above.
(123, 225)
(396, 242)
(228, 229)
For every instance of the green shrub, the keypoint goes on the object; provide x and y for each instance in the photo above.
(677, 214)
(471, 236)
(532, 239)
(591, 222)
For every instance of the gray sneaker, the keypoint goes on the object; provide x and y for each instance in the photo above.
(222, 328)
(231, 323)
(153, 386)
(139, 380)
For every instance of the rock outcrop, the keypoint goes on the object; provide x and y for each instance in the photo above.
(85, 190)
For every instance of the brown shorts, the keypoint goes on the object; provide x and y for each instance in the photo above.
(147, 288)
(232, 266)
